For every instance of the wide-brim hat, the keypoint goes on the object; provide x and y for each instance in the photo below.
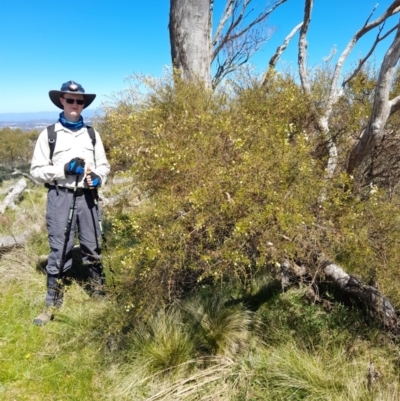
(73, 88)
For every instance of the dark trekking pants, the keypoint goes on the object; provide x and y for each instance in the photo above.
(85, 222)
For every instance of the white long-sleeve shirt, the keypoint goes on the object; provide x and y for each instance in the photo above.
(69, 144)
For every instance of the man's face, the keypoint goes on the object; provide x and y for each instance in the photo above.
(72, 111)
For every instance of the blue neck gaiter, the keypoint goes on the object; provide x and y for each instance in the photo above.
(70, 124)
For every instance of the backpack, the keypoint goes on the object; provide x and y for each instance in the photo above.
(52, 135)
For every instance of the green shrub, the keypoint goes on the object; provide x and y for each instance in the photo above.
(224, 177)
(232, 184)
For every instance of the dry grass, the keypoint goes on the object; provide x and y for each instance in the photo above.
(208, 379)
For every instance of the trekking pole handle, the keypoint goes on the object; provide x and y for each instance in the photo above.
(88, 172)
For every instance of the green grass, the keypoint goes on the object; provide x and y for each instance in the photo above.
(58, 361)
(165, 359)
(52, 361)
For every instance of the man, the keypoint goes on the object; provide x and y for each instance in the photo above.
(77, 167)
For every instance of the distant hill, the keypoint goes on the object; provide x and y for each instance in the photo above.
(38, 120)
(40, 115)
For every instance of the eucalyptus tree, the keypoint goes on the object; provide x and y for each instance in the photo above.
(382, 106)
(196, 46)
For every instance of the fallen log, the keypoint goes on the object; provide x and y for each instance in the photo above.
(13, 195)
(9, 242)
(377, 304)
(28, 176)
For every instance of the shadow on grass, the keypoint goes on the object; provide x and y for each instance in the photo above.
(264, 294)
(78, 272)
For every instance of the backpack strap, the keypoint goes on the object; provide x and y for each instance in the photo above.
(52, 137)
(92, 135)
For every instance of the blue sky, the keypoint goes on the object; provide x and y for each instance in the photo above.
(100, 43)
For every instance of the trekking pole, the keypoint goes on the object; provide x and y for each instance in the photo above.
(64, 251)
(103, 237)
(96, 204)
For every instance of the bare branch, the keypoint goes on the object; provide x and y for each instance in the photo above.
(235, 21)
(28, 176)
(237, 44)
(372, 12)
(210, 17)
(259, 19)
(274, 59)
(379, 305)
(232, 33)
(9, 242)
(362, 62)
(10, 199)
(237, 53)
(225, 16)
(395, 105)
(391, 10)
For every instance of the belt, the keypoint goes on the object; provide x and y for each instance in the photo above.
(78, 191)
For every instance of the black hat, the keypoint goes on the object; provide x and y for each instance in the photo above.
(74, 88)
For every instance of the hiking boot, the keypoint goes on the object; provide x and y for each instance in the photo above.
(43, 318)
(55, 291)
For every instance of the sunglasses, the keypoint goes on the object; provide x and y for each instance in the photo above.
(72, 101)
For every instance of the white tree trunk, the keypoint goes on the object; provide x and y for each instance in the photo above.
(382, 107)
(189, 29)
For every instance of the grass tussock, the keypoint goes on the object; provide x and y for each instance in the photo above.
(162, 343)
(220, 328)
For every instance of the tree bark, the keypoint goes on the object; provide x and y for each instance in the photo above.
(189, 30)
(274, 59)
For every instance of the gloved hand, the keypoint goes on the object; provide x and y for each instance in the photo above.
(75, 167)
(93, 180)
